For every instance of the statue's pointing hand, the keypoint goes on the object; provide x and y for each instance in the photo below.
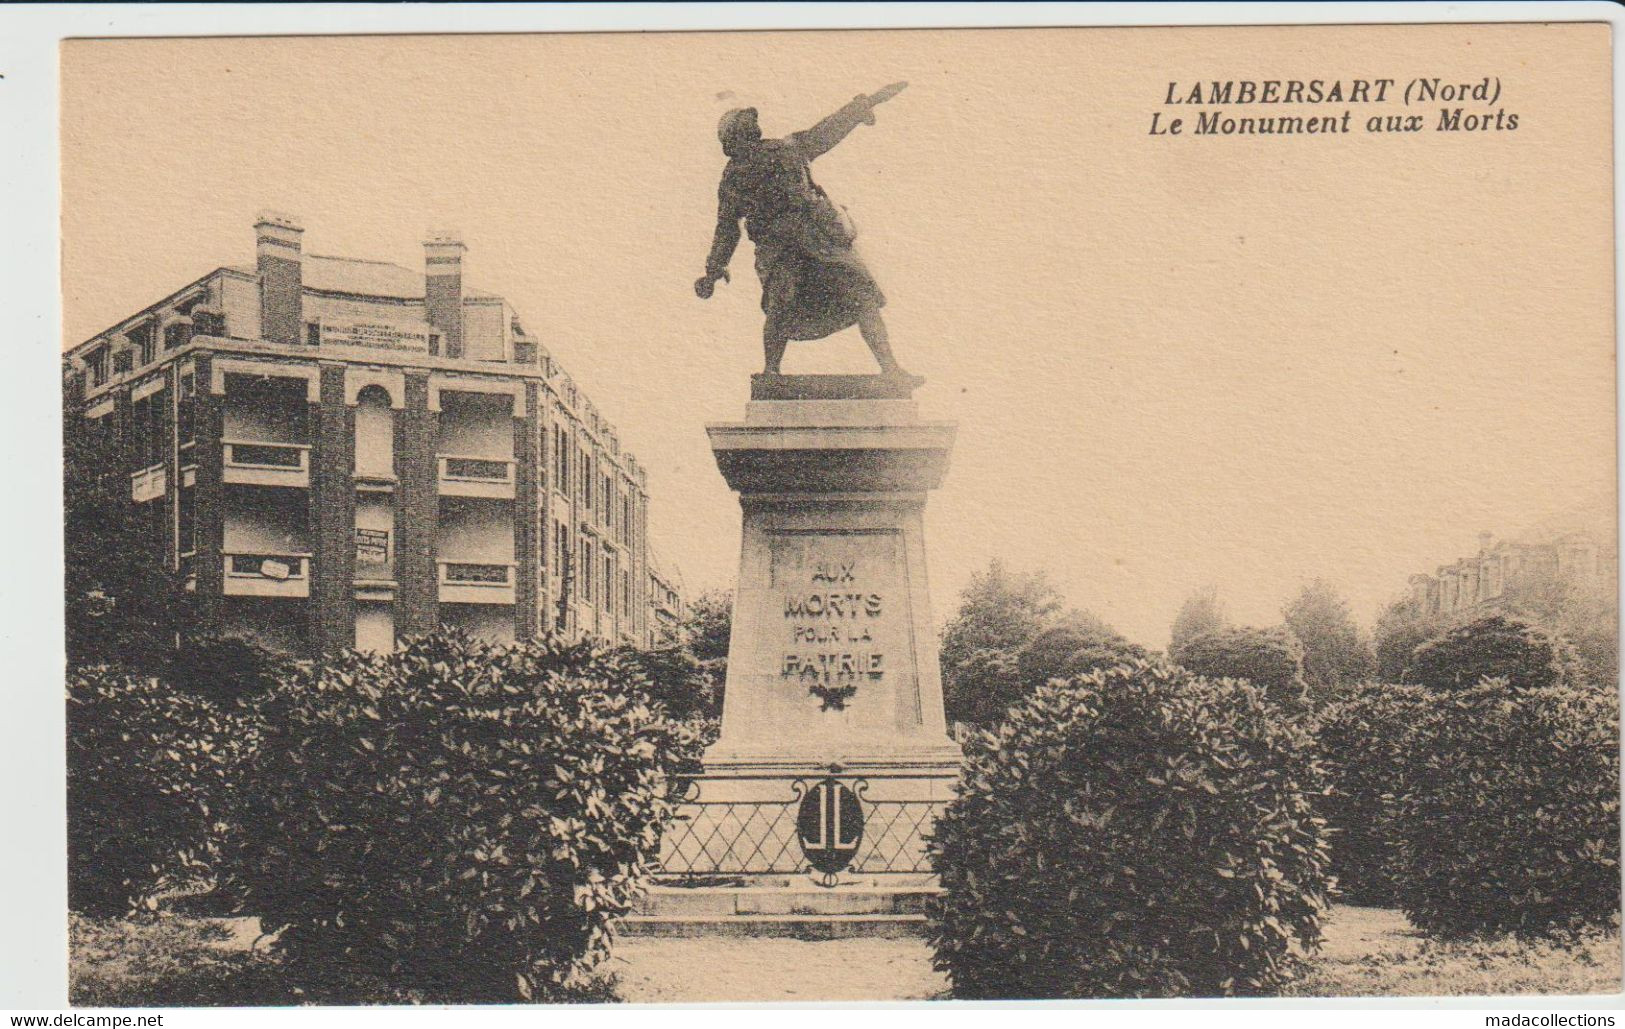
(879, 97)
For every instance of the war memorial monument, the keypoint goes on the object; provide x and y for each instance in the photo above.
(834, 757)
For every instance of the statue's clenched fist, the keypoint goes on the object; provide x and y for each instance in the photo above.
(706, 284)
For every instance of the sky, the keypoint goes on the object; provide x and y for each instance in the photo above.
(1241, 361)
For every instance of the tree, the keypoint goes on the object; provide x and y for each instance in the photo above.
(1271, 659)
(1335, 654)
(122, 604)
(1202, 612)
(1000, 612)
(688, 667)
(707, 627)
(1586, 615)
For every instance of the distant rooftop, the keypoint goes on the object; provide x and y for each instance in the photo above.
(366, 278)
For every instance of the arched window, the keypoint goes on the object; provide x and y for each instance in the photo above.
(374, 433)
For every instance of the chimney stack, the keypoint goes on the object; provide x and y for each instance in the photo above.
(443, 289)
(281, 268)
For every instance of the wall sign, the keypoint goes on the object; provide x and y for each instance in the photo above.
(373, 334)
(372, 546)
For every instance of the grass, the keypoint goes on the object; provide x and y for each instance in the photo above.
(173, 961)
(1374, 952)
(183, 960)
(179, 960)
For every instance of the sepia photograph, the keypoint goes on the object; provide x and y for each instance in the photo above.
(1047, 513)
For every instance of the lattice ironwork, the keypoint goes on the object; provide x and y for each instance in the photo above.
(720, 838)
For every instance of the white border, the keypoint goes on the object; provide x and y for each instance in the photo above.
(32, 878)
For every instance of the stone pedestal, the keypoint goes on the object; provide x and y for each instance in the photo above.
(832, 662)
(833, 655)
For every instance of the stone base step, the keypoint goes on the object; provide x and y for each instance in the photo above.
(797, 899)
(794, 926)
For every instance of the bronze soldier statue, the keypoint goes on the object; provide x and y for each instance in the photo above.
(813, 281)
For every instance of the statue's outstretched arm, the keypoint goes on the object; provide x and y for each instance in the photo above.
(819, 139)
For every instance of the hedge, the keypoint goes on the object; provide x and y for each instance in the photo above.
(1139, 831)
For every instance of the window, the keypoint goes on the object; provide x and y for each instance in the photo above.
(313, 334)
(143, 337)
(626, 592)
(96, 366)
(123, 361)
(584, 580)
(186, 411)
(609, 499)
(609, 584)
(586, 480)
(187, 520)
(374, 450)
(147, 429)
(561, 461)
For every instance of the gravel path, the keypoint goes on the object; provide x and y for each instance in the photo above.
(655, 970)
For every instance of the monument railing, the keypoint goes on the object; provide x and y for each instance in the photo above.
(735, 825)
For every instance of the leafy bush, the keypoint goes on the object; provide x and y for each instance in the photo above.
(1496, 646)
(226, 668)
(1139, 831)
(460, 820)
(1077, 644)
(149, 772)
(1364, 742)
(1271, 659)
(1509, 819)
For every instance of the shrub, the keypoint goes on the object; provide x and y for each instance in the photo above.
(1078, 644)
(1139, 831)
(1363, 742)
(1509, 819)
(1496, 646)
(1271, 659)
(226, 668)
(459, 821)
(149, 772)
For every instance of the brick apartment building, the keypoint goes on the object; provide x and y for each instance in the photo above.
(336, 452)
